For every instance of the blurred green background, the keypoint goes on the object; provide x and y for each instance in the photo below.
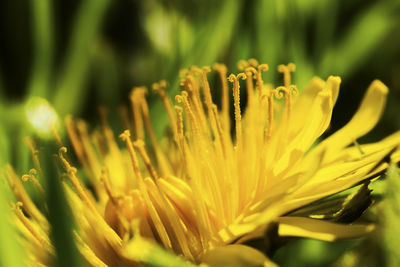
(80, 54)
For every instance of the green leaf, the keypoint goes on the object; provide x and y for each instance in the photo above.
(211, 40)
(361, 39)
(354, 205)
(11, 253)
(152, 255)
(59, 215)
(343, 208)
(236, 256)
(391, 215)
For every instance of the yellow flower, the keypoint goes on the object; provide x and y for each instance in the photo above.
(202, 187)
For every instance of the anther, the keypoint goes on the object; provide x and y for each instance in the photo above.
(270, 118)
(184, 94)
(253, 62)
(258, 75)
(206, 86)
(183, 72)
(125, 136)
(180, 136)
(287, 88)
(31, 177)
(137, 97)
(61, 152)
(104, 180)
(71, 171)
(222, 71)
(34, 153)
(183, 98)
(250, 73)
(286, 71)
(242, 64)
(140, 146)
(178, 98)
(18, 210)
(236, 96)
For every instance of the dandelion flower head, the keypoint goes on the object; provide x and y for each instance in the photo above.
(213, 181)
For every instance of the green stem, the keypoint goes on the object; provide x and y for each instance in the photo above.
(70, 91)
(43, 42)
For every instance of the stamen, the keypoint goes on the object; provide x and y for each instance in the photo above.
(179, 125)
(79, 148)
(174, 225)
(183, 73)
(250, 71)
(180, 134)
(162, 162)
(71, 174)
(28, 224)
(87, 252)
(160, 89)
(260, 82)
(123, 114)
(206, 86)
(213, 116)
(288, 88)
(183, 98)
(222, 71)
(35, 182)
(242, 64)
(236, 96)
(34, 154)
(220, 132)
(281, 91)
(141, 212)
(253, 62)
(192, 90)
(56, 135)
(75, 140)
(109, 136)
(286, 71)
(93, 160)
(22, 196)
(126, 137)
(106, 183)
(270, 116)
(136, 97)
(140, 146)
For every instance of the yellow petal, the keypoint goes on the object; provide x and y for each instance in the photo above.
(363, 121)
(88, 253)
(309, 194)
(182, 203)
(334, 85)
(91, 223)
(236, 256)
(355, 152)
(341, 169)
(322, 230)
(315, 124)
(173, 224)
